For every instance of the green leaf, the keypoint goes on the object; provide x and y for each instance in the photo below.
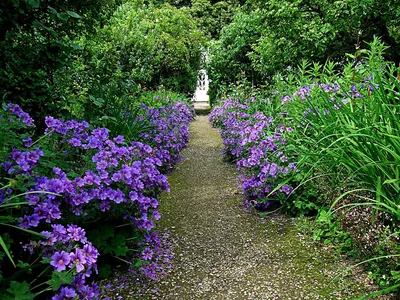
(23, 229)
(52, 10)
(97, 101)
(22, 265)
(76, 46)
(138, 263)
(6, 219)
(121, 251)
(60, 278)
(45, 260)
(390, 181)
(51, 31)
(12, 204)
(4, 246)
(63, 17)
(395, 274)
(34, 3)
(74, 14)
(20, 291)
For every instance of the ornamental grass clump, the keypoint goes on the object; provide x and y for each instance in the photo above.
(351, 141)
(76, 200)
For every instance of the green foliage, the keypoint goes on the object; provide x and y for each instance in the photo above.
(347, 146)
(212, 17)
(143, 51)
(272, 36)
(89, 58)
(322, 29)
(155, 46)
(18, 290)
(330, 232)
(60, 278)
(112, 241)
(36, 40)
(345, 142)
(229, 59)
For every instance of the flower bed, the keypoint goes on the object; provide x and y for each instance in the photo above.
(76, 200)
(258, 145)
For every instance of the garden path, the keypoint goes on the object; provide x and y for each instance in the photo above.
(224, 252)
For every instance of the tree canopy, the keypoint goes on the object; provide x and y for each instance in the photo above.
(285, 32)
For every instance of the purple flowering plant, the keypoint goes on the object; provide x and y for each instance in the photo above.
(345, 146)
(262, 136)
(76, 199)
(276, 139)
(257, 144)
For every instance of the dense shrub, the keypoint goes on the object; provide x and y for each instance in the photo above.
(38, 38)
(142, 48)
(272, 36)
(213, 16)
(90, 59)
(229, 59)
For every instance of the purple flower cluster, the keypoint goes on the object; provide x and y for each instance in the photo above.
(16, 110)
(338, 96)
(257, 144)
(25, 161)
(121, 175)
(69, 249)
(158, 255)
(171, 131)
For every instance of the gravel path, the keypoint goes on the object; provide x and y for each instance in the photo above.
(224, 252)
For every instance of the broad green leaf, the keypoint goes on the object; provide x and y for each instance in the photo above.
(51, 9)
(48, 29)
(121, 251)
(60, 278)
(20, 291)
(34, 3)
(73, 14)
(62, 17)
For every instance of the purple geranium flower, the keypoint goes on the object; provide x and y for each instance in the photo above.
(78, 259)
(60, 260)
(147, 254)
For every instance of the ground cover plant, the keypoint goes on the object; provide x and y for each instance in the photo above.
(325, 142)
(75, 199)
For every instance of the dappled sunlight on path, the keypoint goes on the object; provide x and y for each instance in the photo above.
(224, 252)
